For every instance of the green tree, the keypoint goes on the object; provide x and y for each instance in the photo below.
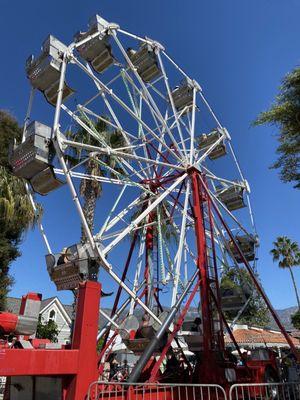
(285, 114)
(239, 281)
(16, 212)
(98, 165)
(295, 319)
(287, 253)
(48, 330)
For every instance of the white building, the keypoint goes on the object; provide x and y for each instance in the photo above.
(51, 308)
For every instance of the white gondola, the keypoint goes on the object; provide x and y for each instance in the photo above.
(191, 332)
(183, 96)
(247, 245)
(31, 159)
(145, 61)
(232, 299)
(232, 196)
(73, 265)
(97, 50)
(140, 337)
(44, 72)
(208, 140)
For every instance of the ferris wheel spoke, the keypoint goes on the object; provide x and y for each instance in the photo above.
(171, 101)
(143, 144)
(112, 210)
(155, 89)
(140, 257)
(176, 65)
(108, 122)
(83, 125)
(121, 129)
(160, 127)
(181, 245)
(124, 106)
(145, 99)
(146, 91)
(133, 295)
(203, 156)
(134, 223)
(214, 177)
(122, 156)
(138, 228)
(141, 132)
(102, 179)
(137, 106)
(178, 206)
(218, 203)
(192, 131)
(112, 113)
(137, 202)
(224, 247)
(177, 229)
(210, 110)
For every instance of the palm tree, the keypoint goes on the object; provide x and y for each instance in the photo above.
(16, 212)
(91, 189)
(287, 253)
(98, 165)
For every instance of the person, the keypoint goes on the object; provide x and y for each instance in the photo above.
(63, 258)
(196, 327)
(120, 376)
(125, 369)
(231, 357)
(114, 365)
(144, 330)
(106, 371)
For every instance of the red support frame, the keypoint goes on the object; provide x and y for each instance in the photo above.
(85, 340)
(252, 275)
(78, 365)
(172, 335)
(202, 266)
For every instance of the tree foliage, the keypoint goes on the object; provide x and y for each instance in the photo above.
(285, 114)
(295, 319)
(98, 165)
(16, 213)
(239, 280)
(48, 330)
(287, 254)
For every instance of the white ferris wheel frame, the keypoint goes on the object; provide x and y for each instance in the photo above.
(182, 157)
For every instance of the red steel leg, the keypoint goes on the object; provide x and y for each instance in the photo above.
(85, 340)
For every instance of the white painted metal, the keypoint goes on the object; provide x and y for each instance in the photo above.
(151, 174)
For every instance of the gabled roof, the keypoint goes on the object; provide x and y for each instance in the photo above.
(55, 300)
(69, 310)
(13, 305)
(45, 302)
(253, 336)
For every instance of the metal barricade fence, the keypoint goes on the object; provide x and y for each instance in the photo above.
(2, 386)
(154, 391)
(265, 391)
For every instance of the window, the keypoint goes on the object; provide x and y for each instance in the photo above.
(52, 315)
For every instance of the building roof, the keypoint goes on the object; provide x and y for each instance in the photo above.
(251, 336)
(13, 305)
(45, 302)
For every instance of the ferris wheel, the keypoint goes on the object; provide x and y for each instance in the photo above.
(177, 208)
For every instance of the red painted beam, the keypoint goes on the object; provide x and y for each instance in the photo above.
(85, 340)
(14, 362)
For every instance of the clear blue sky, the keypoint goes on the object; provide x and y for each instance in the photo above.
(237, 50)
